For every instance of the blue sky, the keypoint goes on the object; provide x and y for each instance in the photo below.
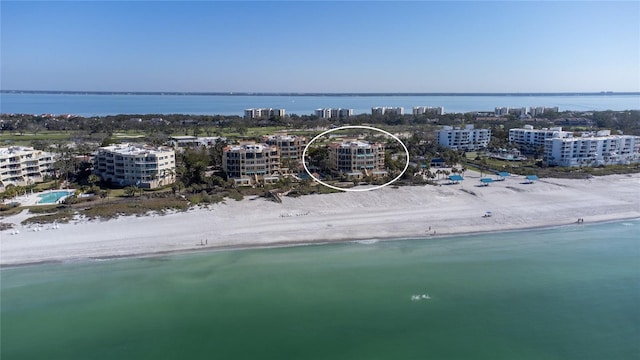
(307, 46)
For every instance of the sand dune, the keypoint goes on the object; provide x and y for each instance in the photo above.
(406, 212)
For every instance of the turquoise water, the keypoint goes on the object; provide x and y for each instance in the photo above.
(52, 197)
(565, 293)
(99, 105)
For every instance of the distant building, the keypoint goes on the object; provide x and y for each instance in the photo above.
(132, 164)
(467, 139)
(530, 139)
(194, 141)
(21, 165)
(290, 147)
(518, 111)
(329, 113)
(357, 158)
(387, 110)
(539, 110)
(250, 163)
(574, 121)
(260, 113)
(602, 149)
(536, 111)
(501, 111)
(428, 110)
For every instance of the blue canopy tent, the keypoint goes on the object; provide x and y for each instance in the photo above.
(531, 179)
(486, 181)
(455, 178)
(502, 175)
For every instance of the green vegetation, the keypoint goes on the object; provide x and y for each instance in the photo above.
(201, 181)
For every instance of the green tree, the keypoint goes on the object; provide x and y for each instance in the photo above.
(130, 191)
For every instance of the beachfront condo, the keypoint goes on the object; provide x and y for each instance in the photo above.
(600, 149)
(529, 139)
(21, 165)
(290, 148)
(131, 164)
(250, 163)
(467, 138)
(357, 158)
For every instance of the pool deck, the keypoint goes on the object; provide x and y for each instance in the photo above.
(33, 199)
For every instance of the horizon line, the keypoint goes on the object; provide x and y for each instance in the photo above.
(264, 93)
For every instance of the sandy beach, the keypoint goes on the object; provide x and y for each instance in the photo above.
(388, 213)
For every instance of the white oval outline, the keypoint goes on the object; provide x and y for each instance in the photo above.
(304, 164)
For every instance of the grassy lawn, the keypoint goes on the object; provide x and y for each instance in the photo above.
(26, 138)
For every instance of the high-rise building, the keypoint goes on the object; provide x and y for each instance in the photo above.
(132, 164)
(602, 149)
(329, 113)
(428, 110)
(290, 147)
(467, 139)
(501, 111)
(260, 113)
(21, 165)
(530, 139)
(357, 158)
(250, 163)
(387, 110)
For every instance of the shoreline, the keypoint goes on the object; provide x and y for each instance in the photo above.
(406, 213)
(242, 247)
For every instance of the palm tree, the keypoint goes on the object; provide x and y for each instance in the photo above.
(93, 179)
(130, 190)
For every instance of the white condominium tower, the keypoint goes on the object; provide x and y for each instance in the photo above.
(21, 165)
(259, 113)
(132, 164)
(428, 110)
(467, 139)
(329, 113)
(387, 110)
(602, 149)
(530, 139)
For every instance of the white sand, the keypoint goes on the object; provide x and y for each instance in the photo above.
(406, 212)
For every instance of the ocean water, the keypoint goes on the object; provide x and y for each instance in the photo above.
(112, 104)
(564, 293)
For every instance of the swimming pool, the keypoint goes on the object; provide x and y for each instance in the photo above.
(53, 197)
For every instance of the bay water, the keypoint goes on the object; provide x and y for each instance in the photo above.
(112, 104)
(570, 292)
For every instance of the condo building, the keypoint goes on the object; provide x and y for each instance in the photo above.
(530, 139)
(357, 158)
(387, 110)
(260, 113)
(194, 141)
(428, 110)
(522, 111)
(602, 149)
(501, 111)
(144, 166)
(467, 139)
(536, 110)
(290, 147)
(250, 163)
(330, 113)
(21, 165)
